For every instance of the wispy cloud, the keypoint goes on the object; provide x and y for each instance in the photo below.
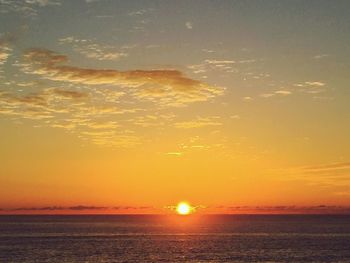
(4, 53)
(307, 87)
(219, 62)
(90, 49)
(315, 83)
(189, 25)
(283, 209)
(275, 93)
(75, 208)
(174, 153)
(312, 87)
(198, 123)
(234, 209)
(321, 56)
(28, 8)
(327, 167)
(91, 1)
(140, 12)
(85, 207)
(43, 208)
(5, 47)
(248, 98)
(335, 175)
(170, 87)
(43, 2)
(283, 92)
(72, 110)
(225, 65)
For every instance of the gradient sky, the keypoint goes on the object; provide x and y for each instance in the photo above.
(136, 105)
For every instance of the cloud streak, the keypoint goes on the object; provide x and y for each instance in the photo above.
(335, 175)
(198, 123)
(172, 86)
(285, 209)
(5, 48)
(72, 110)
(327, 167)
(75, 208)
(93, 50)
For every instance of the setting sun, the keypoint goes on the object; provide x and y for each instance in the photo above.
(175, 131)
(184, 208)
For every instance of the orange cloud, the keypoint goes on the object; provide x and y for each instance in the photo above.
(5, 48)
(327, 167)
(283, 209)
(198, 123)
(170, 84)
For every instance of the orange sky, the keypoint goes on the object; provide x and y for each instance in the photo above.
(117, 107)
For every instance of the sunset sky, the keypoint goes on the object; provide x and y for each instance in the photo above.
(133, 106)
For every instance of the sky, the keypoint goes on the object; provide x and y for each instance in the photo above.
(132, 106)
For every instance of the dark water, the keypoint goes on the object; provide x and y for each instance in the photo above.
(175, 239)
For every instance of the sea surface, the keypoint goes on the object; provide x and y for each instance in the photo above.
(154, 238)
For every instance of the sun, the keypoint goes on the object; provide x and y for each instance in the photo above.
(184, 208)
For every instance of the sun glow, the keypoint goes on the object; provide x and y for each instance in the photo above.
(184, 208)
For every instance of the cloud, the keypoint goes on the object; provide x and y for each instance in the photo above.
(320, 56)
(171, 86)
(45, 208)
(335, 175)
(141, 12)
(219, 62)
(72, 110)
(84, 207)
(208, 50)
(248, 98)
(315, 83)
(235, 209)
(148, 121)
(277, 92)
(87, 101)
(43, 2)
(110, 138)
(103, 125)
(189, 25)
(4, 54)
(312, 87)
(267, 95)
(26, 100)
(90, 49)
(13, 6)
(222, 62)
(225, 65)
(69, 93)
(198, 123)
(283, 92)
(73, 208)
(286, 209)
(5, 49)
(327, 167)
(39, 105)
(28, 8)
(131, 207)
(40, 99)
(174, 153)
(57, 208)
(236, 117)
(333, 169)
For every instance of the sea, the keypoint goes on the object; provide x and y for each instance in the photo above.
(163, 238)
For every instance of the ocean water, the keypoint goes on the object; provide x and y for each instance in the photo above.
(152, 238)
